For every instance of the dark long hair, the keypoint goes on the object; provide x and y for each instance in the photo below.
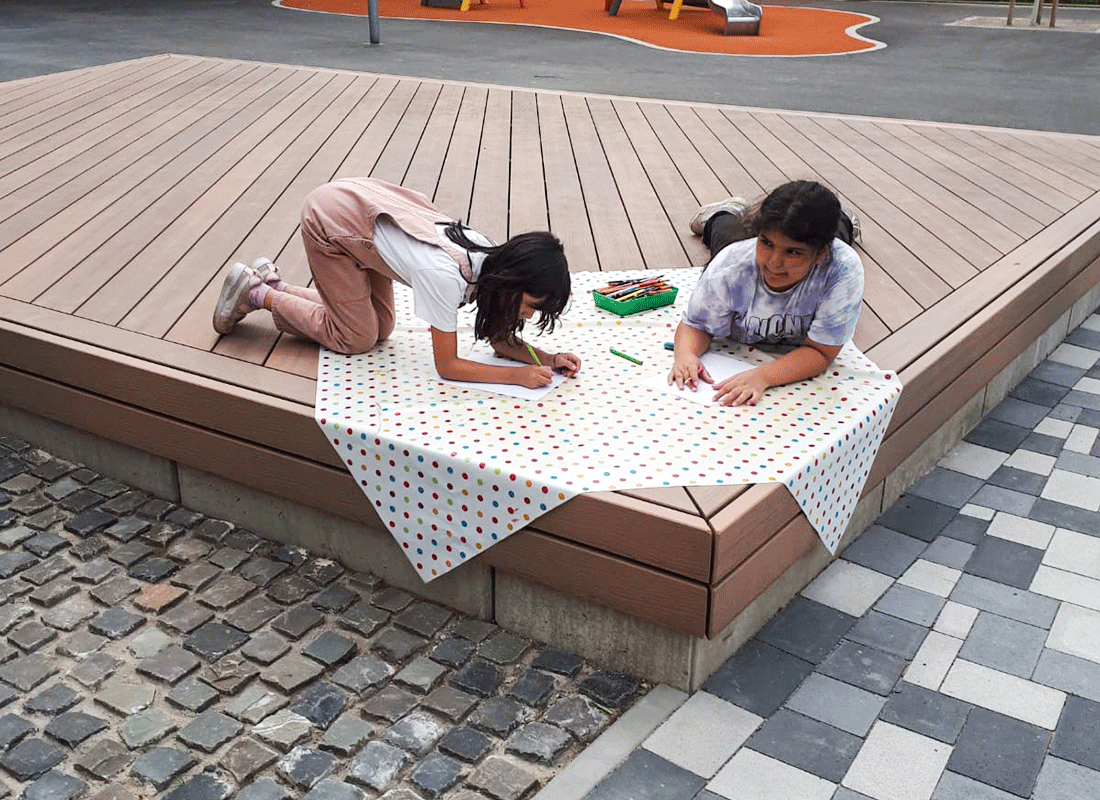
(529, 263)
(804, 211)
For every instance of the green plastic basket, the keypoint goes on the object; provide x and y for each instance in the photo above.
(637, 304)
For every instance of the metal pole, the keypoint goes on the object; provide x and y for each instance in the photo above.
(372, 15)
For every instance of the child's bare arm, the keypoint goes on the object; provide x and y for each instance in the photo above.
(804, 362)
(453, 368)
(687, 369)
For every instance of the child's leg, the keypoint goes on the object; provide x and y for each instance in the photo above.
(722, 229)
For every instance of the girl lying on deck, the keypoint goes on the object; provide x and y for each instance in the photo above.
(797, 283)
(361, 234)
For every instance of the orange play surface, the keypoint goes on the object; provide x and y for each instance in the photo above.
(784, 30)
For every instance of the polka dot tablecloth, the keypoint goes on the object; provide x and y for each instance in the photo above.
(450, 470)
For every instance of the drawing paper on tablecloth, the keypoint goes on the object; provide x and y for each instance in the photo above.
(718, 366)
(504, 389)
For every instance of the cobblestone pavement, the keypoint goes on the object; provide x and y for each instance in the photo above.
(951, 653)
(148, 651)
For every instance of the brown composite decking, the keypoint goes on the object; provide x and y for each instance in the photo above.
(126, 189)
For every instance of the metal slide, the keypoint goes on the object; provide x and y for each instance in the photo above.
(742, 17)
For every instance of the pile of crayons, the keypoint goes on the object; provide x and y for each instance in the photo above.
(633, 289)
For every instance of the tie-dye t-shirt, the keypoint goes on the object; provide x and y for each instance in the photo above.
(731, 299)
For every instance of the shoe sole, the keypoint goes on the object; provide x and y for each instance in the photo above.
(235, 283)
(699, 222)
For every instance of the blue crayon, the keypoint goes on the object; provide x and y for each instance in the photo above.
(669, 346)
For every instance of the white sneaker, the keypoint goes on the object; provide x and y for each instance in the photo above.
(233, 303)
(857, 233)
(266, 269)
(733, 205)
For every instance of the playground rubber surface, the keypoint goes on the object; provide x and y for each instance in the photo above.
(784, 30)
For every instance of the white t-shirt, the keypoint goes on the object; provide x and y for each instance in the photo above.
(731, 299)
(435, 279)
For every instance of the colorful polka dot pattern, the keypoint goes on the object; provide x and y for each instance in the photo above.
(450, 471)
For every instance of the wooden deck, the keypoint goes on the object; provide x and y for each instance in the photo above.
(126, 189)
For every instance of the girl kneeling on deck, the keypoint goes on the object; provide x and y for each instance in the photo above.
(361, 234)
(795, 284)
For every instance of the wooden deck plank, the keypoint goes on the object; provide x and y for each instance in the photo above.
(614, 237)
(674, 497)
(665, 168)
(681, 138)
(55, 191)
(162, 248)
(564, 195)
(893, 139)
(984, 155)
(492, 180)
(402, 142)
(1061, 155)
(992, 182)
(111, 239)
(658, 239)
(930, 188)
(527, 209)
(54, 144)
(892, 304)
(1058, 173)
(288, 159)
(870, 329)
(456, 178)
(240, 202)
(427, 162)
(737, 161)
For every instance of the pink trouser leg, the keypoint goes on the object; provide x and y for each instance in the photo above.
(352, 308)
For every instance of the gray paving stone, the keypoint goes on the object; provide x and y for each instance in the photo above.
(297, 621)
(376, 765)
(245, 757)
(997, 435)
(54, 700)
(153, 570)
(54, 592)
(192, 694)
(646, 776)
(204, 786)
(283, 729)
(31, 635)
(436, 774)
(161, 765)
(347, 734)
(12, 563)
(11, 615)
(424, 619)
(230, 673)
(1050, 445)
(321, 571)
(453, 652)
(213, 640)
(1018, 480)
(255, 703)
(806, 743)
(262, 571)
(186, 616)
(836, 703)
(533, 688)
(465, 744)
(417, 732)
(1080, 463)
(73, 727)
(226, 591)
(114, 623)
(421, 674)
(263, 789)
(228, 557)
(171, 665)
(925, 712)
(209, 731)
(1012, 502)
(115, 590)
(1039, 392)
(188, 550)
(498, 715)
(196, 576)
(1004, 644)
(291, 672)
(478, 677)
(330, 649)
(450, 702)
(503, 648)
(559, 662)
(758, 677)
(1005, 562)
(1015, 763)
(577, 716)
(45, 544)
(304, 766)
(27, 672)
(265, 647)
(1077, 736)
(1005, 600)
(146, 727)
(806, 629)
(949, 552)
(31, 758)
(1059, 374)
(54, 785)
(397, 645)
(884, 550)
(390, 703)
(289, 589)
(917, 517)
(320, 703)
(364, 618)
(888, 633)
(947, 487)
(332, 789)
(539, 742)
(362, 673)
(1016, 411)
(104, 759)
(1065, 516)
(93, 670)
(252, 613)
(912, 605)
(13, 729)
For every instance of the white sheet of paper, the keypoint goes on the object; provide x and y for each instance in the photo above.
(719, 366)
(506, 389)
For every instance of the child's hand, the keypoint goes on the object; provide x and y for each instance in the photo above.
(687, 370)
(566, 363)
(534, 377)
(743, 389)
